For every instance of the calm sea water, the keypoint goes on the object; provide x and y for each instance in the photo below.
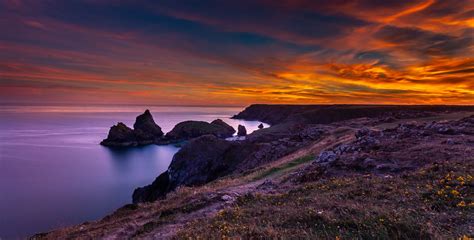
(54, 173)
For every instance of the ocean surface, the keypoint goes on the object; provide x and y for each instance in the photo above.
(54, 173)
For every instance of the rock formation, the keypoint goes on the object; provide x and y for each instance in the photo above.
(145, 127)
(192, 129)
(145, 131)
(200, 161)
(223, 124)
(241, 131)
(260, 126)
(120, 136)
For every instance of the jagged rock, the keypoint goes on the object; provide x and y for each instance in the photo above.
(145, 127)
(120, 136)
(192, 129)
(260, 126)
(146, 132)
(241, 130)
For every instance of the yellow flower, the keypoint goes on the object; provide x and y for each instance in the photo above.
(454, 192)
(465, 237)
(461, 204)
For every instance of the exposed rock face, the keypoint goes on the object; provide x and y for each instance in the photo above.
(241, 131)
(405, 147)
(208, 157)
(260, 126)
(154, 191)
(192, 129)
(146, 132)
(120, 135)
(145, 127)
(200, 161)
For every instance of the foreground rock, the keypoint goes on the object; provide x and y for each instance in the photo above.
(192, 129)
(406, 147)
(200, 161)
(145, 131)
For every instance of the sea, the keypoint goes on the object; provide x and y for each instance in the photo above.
(54, 173)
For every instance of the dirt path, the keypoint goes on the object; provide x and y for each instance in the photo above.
(247, 184)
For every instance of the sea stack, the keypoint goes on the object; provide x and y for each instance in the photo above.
(120, 135)
(241, 131)
(145, 131)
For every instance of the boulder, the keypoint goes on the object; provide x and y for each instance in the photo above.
(326, 157)
(260, 126)
(120, 135)
(241, 131)
(192, 129)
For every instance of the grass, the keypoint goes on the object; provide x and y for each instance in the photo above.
(283, 167)
(356, 207)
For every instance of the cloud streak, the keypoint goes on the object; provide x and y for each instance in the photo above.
(236, 53)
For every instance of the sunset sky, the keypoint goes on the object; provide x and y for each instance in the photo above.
(236, 52)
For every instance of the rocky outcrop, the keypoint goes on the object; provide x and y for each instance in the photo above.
(192, 129)
(408, 146)
(120, 136)
(208, 157)
(241, 131)
(145, 131)
(200, 161)
(145, 127)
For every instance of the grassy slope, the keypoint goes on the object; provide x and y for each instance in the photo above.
(433, 202)
(420, 204)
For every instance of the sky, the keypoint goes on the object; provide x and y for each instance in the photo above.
(198, 52)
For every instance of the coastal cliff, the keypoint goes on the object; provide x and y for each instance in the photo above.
(364, 174)
(325, 114)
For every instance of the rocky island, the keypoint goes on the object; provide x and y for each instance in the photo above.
(320, 171)
(145, 131)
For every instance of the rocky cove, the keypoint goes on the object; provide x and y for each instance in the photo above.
(306, 146)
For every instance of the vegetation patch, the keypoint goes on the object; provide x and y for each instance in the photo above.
(283, 167)
(352, 207)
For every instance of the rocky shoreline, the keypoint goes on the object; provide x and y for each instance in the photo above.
(306, 146)
(146, 132)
